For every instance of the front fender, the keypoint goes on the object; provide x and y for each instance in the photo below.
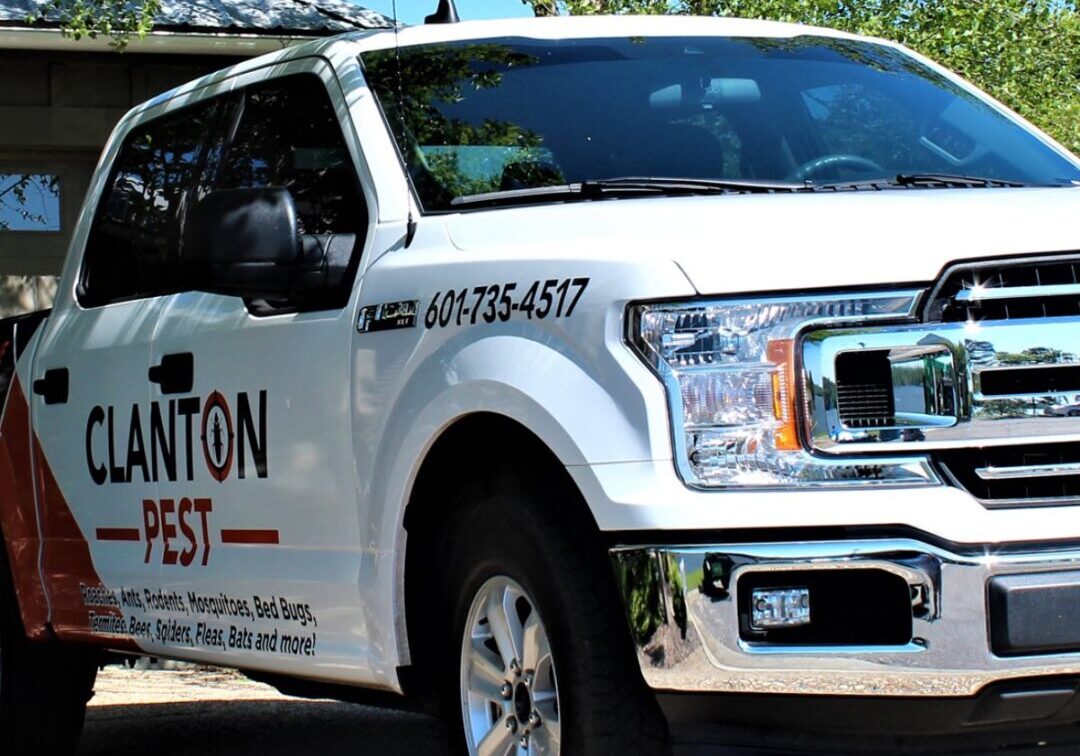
(569, 379)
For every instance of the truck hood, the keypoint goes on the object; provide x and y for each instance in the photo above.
(747, 243)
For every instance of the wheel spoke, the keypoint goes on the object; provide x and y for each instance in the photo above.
(498, 742)
(535, 645)
(545, 739)
(505, 626)
(485, 676)
(546, 704)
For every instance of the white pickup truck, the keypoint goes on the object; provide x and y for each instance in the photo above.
(620, 384)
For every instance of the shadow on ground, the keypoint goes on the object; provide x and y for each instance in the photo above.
(314, 728)
(258, 728)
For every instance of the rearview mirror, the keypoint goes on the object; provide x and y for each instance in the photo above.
(244, 242)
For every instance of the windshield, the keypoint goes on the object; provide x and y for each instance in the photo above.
(506, 115)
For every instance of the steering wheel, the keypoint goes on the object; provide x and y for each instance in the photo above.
(811, 168)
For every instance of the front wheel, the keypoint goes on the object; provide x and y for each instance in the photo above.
(509, 689)
(538, 657)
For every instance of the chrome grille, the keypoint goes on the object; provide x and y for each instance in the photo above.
(1016, 476)
(1038, 287)
(1028, 288)
(987, 385)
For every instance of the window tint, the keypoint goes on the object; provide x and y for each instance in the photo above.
(854, 119)
(283, 133)
(817, 109)
(289, 136)
(133, 245)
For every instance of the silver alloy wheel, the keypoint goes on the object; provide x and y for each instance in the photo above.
(509, 696)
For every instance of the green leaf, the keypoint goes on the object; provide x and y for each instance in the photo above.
(120, 20)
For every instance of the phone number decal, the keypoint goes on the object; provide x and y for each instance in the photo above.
(554, 297)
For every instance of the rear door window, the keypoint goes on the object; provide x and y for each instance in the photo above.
(133, 248)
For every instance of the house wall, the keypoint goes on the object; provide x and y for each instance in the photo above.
(56, 112)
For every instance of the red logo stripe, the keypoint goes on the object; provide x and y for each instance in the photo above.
(118, 534)
(247, 536)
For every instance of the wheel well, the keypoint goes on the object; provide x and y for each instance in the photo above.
(479, 450)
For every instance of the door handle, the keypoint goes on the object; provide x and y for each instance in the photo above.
(53, 386)
(175, 374)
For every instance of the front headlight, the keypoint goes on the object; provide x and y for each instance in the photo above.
(731, 373)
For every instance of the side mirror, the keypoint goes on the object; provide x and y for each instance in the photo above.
(244, 242)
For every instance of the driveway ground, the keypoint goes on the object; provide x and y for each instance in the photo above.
(222, 713)
(219, 713)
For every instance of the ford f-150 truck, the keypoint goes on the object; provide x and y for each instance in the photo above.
(614, 384)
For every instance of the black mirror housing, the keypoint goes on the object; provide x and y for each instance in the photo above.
(244, 242)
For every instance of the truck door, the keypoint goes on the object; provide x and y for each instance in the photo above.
(105, 438)
(277, 586)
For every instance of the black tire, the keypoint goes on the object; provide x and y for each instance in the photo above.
(44, 687)
(508, 528)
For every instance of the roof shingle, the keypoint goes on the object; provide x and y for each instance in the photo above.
(305, 17)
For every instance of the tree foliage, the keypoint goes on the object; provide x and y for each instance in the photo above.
(15, 189)
(411, 82)
(1025, 53)
(120, 20)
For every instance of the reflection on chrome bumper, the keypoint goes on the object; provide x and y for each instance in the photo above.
(684, 616)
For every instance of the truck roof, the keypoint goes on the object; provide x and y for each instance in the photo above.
(552, 27)
(558, 27)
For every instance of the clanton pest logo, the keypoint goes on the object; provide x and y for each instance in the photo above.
(163, 448)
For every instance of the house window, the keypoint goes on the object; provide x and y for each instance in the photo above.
(29, 202)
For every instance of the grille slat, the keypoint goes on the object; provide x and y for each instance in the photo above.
(1042, 273)
(1031, 288)
(962, 465)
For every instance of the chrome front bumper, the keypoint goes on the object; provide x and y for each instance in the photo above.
(689, 640)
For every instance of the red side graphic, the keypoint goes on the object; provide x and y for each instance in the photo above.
(67, 564)
(17, 511)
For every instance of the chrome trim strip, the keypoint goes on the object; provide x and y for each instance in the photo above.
(695, 643)
(1038, 501)
(934, 295)
(1020, 472)
(1016, 292)
(947, 388)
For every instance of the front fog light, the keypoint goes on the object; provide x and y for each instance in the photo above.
(732, 384)
(779, 607)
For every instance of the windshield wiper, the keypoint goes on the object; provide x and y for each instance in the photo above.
(630, 186)
(639, 186)
(924, 180)
(694, 185)
(952, 179)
